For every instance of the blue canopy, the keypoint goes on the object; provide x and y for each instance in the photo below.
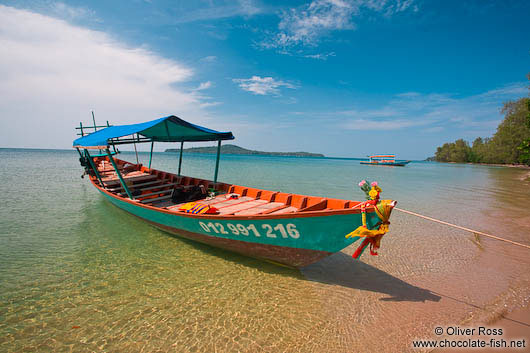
(168, 129)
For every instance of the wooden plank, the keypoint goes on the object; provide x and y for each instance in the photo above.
(163, 203)
(274, 209)
(130, 174)
(153, 187)
(241, 206)
(154, 193)
(285, 210)
(132, 179)
(136, 185)
(156, 199)
(207, 202)
(231, 202)
(260, 208)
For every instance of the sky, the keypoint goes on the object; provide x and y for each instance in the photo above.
(346, 78)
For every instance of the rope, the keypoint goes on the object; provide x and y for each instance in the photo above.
(463, 228)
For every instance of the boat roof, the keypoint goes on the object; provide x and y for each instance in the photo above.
(168, 129)
(384, 156)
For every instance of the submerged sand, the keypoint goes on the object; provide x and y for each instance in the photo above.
(78, 274)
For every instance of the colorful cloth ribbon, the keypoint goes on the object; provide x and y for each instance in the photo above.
(372, 237)
(198, 208)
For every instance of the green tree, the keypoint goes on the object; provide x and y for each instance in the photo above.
(458, 151)
(511, 133)
(477, 150)
(510, 144)
(524, 147)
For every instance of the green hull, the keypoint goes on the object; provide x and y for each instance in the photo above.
(296, 241)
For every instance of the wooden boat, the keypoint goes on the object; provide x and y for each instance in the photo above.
(289, 229)
(386, 160)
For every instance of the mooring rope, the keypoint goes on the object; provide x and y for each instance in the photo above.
(462, 228)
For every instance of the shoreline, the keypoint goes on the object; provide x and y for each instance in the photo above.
(508, 165)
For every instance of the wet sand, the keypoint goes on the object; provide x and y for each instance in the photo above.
(515, 327)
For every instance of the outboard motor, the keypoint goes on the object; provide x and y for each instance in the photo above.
(84, 162)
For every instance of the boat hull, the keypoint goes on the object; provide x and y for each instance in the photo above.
(292, 257)
(294, 240)
(396, 164)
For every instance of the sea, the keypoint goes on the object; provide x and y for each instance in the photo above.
(77, 274)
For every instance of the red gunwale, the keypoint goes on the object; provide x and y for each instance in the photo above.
(317, 213)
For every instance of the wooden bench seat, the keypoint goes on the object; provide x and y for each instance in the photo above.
(228, 202)
(260, 208)
(156, 199)
(241, 206)
(134, 186)
(114, 178)
(147, 189)
(134, 178)
(143, 196)
(288, 209)
(153, 187)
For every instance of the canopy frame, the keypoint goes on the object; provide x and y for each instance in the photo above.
(113, 135)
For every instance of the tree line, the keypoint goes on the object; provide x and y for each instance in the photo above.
(509, 145)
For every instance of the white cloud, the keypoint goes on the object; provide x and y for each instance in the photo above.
(262, 85)
(210, 104)
(54, 73)
(204, 85)
(321, 56)
(68, 12)
(518, 88)
(476, 114)
(209, 59)
(304, 25)
(187, 11)
(364, 124)
(385, 112)
(249, 7)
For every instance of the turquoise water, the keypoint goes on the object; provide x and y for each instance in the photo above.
(78, 274)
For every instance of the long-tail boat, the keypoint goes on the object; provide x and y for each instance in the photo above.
(285, 228)
(385, 160)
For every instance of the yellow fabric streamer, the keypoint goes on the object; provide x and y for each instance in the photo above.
(197, 208)
(383, 210)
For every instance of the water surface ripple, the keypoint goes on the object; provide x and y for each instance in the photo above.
(78, 274)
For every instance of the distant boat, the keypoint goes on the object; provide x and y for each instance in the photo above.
(290, 229)
(386, 160)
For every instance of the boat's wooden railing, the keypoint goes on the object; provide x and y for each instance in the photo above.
(152, 186)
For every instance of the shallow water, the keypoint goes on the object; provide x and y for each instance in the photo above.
(78, 274)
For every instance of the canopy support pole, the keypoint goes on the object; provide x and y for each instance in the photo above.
(125, 187)
(217, 162)
(151, 153)
(180, 157)
(114, 147)
(136, 151)
(91, 161)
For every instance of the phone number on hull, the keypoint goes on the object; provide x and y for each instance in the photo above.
(278, 231)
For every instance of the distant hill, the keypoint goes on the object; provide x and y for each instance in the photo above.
(233, 149)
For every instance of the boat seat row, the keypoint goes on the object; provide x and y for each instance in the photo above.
(130, 177)
(133, 186)
(251, 201)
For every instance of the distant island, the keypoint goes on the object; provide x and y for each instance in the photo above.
(233, 149)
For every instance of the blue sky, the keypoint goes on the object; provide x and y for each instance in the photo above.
(340, 77)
